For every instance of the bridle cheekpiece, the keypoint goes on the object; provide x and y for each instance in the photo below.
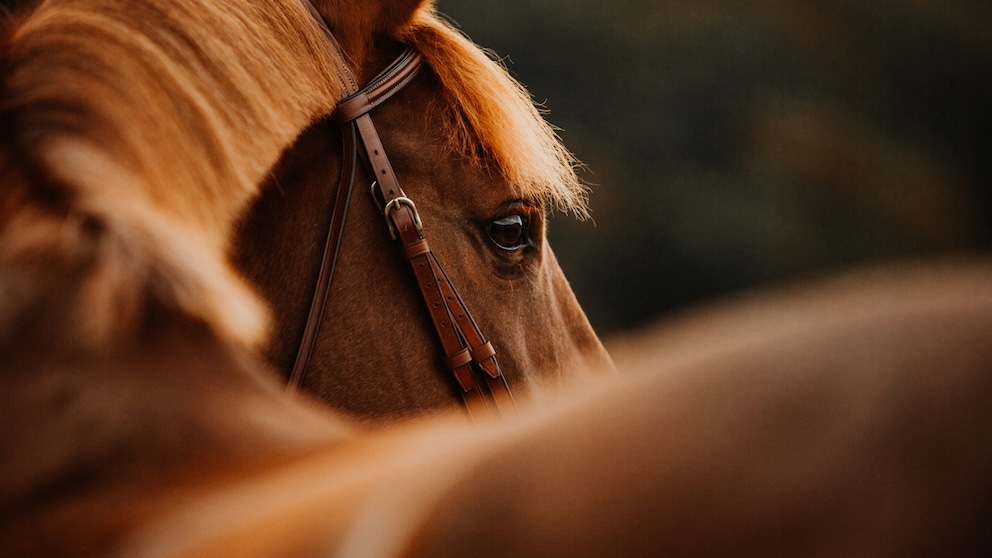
(469, 356)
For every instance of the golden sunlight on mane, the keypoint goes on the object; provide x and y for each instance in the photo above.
(498, 113)
(158, 119)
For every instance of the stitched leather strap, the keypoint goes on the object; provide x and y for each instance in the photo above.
(387, 84)
(465, 347)
(454, 325)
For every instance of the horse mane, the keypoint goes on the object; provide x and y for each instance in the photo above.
(149, 126)
(492, 118)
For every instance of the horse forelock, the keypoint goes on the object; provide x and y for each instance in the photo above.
(493, 120)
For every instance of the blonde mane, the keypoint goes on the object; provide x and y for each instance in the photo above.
(153, 123)
(489, 109)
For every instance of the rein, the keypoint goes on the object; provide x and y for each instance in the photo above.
(469, 356)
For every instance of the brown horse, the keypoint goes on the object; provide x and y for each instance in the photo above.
(850, 418)
(469, 147)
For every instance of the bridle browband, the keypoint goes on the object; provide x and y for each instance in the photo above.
(470, 357)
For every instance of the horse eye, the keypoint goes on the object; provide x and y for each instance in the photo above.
(509, 233)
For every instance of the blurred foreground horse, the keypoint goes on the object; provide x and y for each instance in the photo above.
(140, 420)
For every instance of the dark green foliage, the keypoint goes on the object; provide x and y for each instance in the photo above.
(736, 144)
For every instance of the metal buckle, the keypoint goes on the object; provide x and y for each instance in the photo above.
(395, 203)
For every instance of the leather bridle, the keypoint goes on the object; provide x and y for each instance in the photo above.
(468, 354)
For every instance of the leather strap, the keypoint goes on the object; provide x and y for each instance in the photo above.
(380, 89)
(332, 246)
(466, 348)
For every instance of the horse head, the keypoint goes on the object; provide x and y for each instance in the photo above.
(467, 144)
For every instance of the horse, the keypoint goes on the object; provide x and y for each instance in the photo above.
(140, 417)
(480, 162)
(240, 155)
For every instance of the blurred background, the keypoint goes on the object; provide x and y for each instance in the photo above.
(740, 144)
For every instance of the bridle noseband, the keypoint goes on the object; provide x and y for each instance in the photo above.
(470, 357)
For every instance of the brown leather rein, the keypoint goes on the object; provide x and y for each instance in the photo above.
(468, 355)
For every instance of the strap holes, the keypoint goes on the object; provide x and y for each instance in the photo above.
(444, 324)
(383, 171)
(449, 297)
(437, 305)
(420, 266)
(376, 151)
(428, 285)
(460, 316)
